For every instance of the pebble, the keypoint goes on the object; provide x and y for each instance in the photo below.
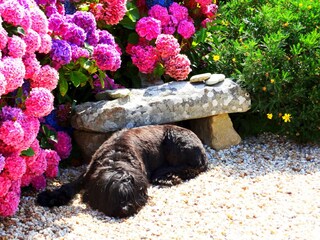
(215, 78)
(251, 191)
(200, 77)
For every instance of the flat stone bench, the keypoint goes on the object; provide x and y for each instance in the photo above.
(207, 108)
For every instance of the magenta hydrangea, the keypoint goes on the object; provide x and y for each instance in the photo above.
(3, 38)
(77, 52)
(178, 11)
(32, 65)
(16, 47)
(171, 27)
(160, 13)
(186, 29)
(14, 71)
(107, 57)
(148, 27)
(85, 20)
(39, 103)
(15, 167)
(11, 133)
(5, 184)
(47, 77)
(10, 202)
(39, 21)
(210, 10)
(33, 41)
(144, 57)
(55, 22)
(53, 160)
(167, 46)
(39, 182)
(63, 146)
(38, 166)
(74, 34)
(178, 67)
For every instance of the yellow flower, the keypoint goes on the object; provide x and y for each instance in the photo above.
(300, 4)
(234, 59)
(309, 7)
(216, 58)
(286, 117)
(285, 24)
(269, 116)
(272, 81)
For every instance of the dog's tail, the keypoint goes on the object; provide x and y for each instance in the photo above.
(62, 195)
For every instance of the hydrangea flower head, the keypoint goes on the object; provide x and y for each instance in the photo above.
(63, 145)
(61, 51)
(167, 46)
(16, 46)
(160, 13)
(145, 58)
(171, 27)
(5, 184)
(39, 103)
(148, 27)
(12, 12)
(9, 203)
(55, 21)
(14, 71)
(3, 38)
(186, 29)
(178, 11)
(106, 37)
(39, 21)
(2, 162)
(178, 67)
(53, 160)
(32, 65)
(78, 52)
(74, 34)
(33, 41)
(107, 57)
(85, 20)
(210, 10)
(11, 133)
(15, 167)
(47, 77)
(3, 84)
(38, 166)
(46, 43)
(39, 182)
(110, 11)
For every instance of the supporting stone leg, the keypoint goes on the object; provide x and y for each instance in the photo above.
(216, 131)
(89, 142)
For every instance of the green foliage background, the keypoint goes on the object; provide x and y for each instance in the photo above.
(272, 48)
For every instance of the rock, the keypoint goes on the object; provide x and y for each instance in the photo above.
(166, 103)
(89, 142)
(112, 94)
(215, 78)
(200, 77)
(216, 131)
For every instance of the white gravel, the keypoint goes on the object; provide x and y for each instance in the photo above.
(265, 188)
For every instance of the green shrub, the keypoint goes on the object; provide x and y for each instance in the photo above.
(272, 48)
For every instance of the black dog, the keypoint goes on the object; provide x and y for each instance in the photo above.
(118, 176)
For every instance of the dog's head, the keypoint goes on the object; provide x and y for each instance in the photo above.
(119, 192)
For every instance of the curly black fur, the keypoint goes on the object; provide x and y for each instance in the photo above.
(120, 171)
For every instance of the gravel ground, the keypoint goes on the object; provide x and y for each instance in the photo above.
(265, 188)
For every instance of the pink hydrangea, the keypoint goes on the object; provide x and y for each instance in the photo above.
(12, 12)
(78, 52)
(39, 103)
(178, 11)
(171, 27)
(9, 203)
(47, 77)
(53, 160)
(160, 13)
(204, 2)
(178, 67)
(30, 125)
(36, 149)
(145, 58)
(39, 182)
(5, 184)
(186, 29)
(46, 43)
(2, 162)
(63, 145)
(209, 10)
(15, 167)
(3, 38)
(14, 71)
(38, 166)
(11, 133)
(205, 22)
(3, 84)
(148, 27)
(110, 11)
(167, 46)
(33, 41)
(16, 46)
(107, 57)
(55, 22)
(32, 65)
(26, 21)
(39, 21)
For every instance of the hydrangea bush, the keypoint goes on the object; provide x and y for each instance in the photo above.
(25, 99)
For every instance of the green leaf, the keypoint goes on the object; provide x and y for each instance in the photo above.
(29, 152)
(132, 12)
(77, 77)
(63, 85)
(102, 76)
(126, 22)
(159, 70)
(133, 38)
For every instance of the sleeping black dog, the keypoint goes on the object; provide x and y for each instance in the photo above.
(120, 171)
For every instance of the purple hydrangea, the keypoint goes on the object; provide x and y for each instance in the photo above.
(55, 21)
(106, 37)
(78, 52)
(107, 57)
(10, 113)
(85, 20)
(61, 51)
(93, 37)
(74, 34)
